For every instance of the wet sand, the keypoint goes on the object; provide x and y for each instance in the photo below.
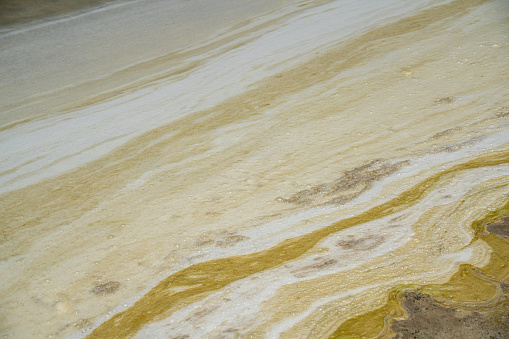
(314, 170)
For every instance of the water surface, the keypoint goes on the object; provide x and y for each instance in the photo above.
(253, 169)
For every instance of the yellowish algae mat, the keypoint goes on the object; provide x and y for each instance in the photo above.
(220, 191)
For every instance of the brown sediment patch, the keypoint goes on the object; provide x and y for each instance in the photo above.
(363, 244)
(200, 314)
(456, 146)
(106, 288)
(427, 319)
(445, 100)
(482, 290)
(304, 271)
(347, 187)
(324, 263)
(499, 228)
(230, 241)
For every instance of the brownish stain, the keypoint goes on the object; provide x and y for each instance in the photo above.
(347, 187)
(200, 314)
(363, 244)
(456, 146)
(106, 288)
(445, 100)
(304, 271)
(499, 228)
(230, 241)
(428, 319)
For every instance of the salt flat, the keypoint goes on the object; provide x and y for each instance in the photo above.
(269, 170)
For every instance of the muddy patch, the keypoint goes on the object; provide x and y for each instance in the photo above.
(352, 242)
(197, 316)
(499, 228)
(106, 288)
(456, 146)
(322, 263)
(347, 187)
(445, 100)
(428, 319)
(230, 241)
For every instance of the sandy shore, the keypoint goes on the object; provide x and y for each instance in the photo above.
(322, 170)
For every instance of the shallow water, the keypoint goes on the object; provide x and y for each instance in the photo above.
(268, 170)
